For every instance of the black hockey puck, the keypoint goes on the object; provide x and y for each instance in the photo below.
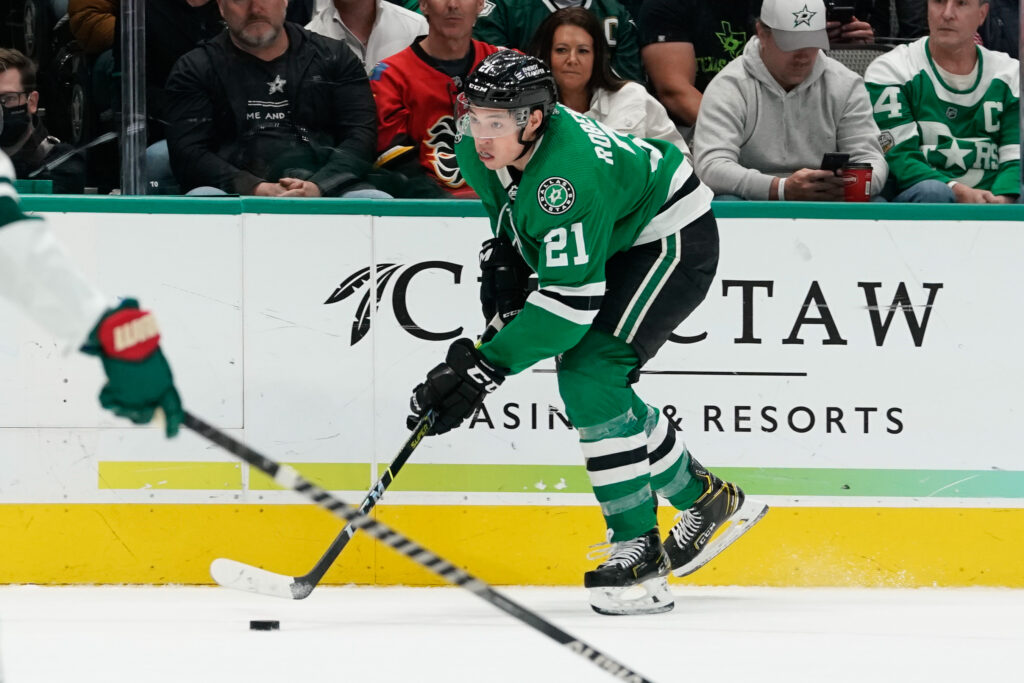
(256, 625)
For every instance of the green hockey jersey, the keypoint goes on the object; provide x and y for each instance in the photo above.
(586, 194)
(931, 131)
(512, 23)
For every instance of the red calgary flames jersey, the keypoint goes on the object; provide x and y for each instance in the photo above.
(415, 107)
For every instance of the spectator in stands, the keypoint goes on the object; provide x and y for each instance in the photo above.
(769, 117)
(415, 93)
(24, 138)
(1001, 30)
(909, 22)
(685, 43)
(92, 23)
(512, 23)
(268, 108)
(948, 110)
(172, 28)
(849, 22)
(572, 42)
(374, 29)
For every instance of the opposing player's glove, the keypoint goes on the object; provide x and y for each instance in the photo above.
(455, 388)
(504, 280)
(138, 377)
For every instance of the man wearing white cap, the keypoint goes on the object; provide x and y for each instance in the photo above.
(770, 115)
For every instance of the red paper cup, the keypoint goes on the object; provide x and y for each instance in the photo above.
(857, 182)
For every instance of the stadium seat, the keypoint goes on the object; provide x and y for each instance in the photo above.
(857, 57)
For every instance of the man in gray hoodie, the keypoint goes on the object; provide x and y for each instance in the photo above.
(768, 118)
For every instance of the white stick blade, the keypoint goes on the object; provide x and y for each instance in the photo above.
(244, 577)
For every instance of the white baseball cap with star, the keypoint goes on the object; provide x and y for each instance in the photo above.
(796, 24)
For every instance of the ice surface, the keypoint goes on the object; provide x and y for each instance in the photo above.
(413, 635)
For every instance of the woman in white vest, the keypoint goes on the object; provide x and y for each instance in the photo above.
(572, 42)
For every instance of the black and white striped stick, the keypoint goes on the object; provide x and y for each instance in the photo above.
(288, 477)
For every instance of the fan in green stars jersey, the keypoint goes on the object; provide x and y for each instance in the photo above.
(949, 112)
(620, 234)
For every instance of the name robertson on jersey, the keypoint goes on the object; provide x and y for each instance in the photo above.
(602, 141)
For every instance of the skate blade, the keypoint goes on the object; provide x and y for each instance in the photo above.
(749, 514)
(650, 597)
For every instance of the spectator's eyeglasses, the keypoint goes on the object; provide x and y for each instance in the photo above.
(11, 99)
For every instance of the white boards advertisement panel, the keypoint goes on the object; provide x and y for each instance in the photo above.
(841, 362)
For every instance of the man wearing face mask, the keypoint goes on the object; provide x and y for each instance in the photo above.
(34, 153)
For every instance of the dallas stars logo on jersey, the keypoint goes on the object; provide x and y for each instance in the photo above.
(556, 195)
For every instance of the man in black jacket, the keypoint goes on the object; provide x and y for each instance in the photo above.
(267, 108)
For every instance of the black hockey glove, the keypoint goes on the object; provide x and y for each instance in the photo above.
(455, 388)
(504, 280)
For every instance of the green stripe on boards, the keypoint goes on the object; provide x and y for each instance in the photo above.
(555, 479)
(819, 211)
(876, 482)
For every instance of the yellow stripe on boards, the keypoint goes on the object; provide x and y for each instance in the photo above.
(133, 474)
(156, 544)
(893, 547)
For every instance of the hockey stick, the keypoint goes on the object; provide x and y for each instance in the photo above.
(245, 577)
(288, 477)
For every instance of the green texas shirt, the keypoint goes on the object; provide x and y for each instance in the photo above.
(931, 131)
(512, 23)
(586, 194)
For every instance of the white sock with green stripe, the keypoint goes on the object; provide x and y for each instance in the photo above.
(619, 471)
(670, 462)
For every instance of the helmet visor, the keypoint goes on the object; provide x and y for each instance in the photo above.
(486, 124)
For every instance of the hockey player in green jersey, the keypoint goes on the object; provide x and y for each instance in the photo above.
(620, 234)
(36, 274)
(948, 111)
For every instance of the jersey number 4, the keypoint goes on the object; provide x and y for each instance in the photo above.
(889, 102)
(556, 242)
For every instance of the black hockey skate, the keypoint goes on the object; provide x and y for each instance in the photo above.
(632, 579)
(698, 534)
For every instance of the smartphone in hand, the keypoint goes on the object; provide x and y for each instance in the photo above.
(834, 162)
(834, 11)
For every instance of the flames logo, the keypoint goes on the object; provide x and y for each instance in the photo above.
(441, 141)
